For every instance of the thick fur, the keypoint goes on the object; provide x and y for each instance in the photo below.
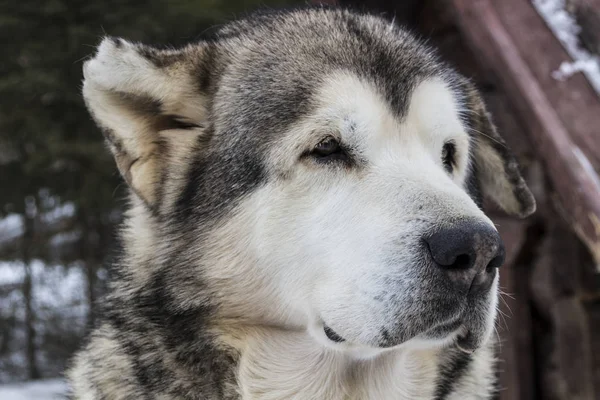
(242, 246)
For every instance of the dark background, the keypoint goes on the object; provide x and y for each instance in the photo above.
(61, 197)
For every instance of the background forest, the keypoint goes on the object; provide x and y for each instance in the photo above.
(61, 196)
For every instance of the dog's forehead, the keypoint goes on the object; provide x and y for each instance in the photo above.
(287, 76)
(281, 62)
(355, 104)
(436, 107)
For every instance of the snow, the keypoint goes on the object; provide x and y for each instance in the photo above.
(36, 390)
(11, 273)
(64, 238)
(58, 212)
(56, 290)
(568, 69)
(11, 227)
(565, 28)
(59, 287)
(53, 286)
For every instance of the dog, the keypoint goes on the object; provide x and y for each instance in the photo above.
(305, 216)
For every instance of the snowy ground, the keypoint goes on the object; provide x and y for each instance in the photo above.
(39, 390)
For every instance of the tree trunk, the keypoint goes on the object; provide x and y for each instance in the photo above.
(30, 333)
(88, 257)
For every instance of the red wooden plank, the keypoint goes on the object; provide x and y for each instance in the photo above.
(516, 375)
(574, 100)
(573, 177)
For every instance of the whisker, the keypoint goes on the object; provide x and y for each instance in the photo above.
(507, 294)
(488, 136)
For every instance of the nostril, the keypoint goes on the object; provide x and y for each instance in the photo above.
(495, 263)
(447, 257)
(463, 261)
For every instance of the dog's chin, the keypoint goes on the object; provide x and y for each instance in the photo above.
(454, 335)
(331, 340)
(460, 333)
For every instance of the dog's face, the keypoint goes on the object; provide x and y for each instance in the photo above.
(357, 205)
(325, 170)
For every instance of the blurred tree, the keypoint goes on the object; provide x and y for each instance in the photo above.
(57, 177)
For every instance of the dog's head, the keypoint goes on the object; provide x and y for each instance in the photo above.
(317, 169)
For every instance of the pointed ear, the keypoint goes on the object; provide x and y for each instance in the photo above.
(150, 107)
(497, 169)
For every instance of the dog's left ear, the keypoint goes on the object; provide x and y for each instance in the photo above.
(497, 169)
(151, 105)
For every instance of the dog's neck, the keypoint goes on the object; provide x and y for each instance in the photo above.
(276, 364)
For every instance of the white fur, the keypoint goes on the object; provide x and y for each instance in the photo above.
(316, 246)
(122, 69)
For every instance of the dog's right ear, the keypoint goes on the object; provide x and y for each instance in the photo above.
(150, 105)
(497, 170)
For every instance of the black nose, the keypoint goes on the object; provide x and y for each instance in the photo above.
(469, 252)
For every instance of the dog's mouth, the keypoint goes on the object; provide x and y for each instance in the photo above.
(331, 335)
(464, 340)
(465, 327)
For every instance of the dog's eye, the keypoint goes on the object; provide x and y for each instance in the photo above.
(449, 156)
(328, 149)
